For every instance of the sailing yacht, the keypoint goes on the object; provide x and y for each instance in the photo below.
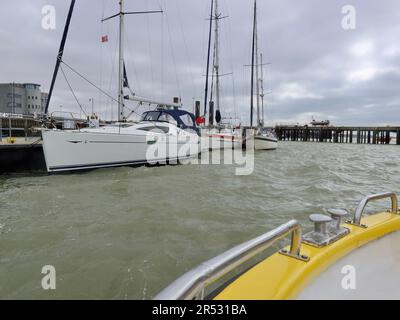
(217, 136)
(264, 139)
(167, 134)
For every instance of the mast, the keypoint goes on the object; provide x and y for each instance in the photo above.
(262, 94)
(121, 14)
(216, 61)
(252, 66)
(60, 54)
(208, 59)
(257, 69)
(121, 63)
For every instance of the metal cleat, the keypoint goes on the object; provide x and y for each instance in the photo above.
(326, 229)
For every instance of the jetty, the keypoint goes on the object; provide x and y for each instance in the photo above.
(339, 134)
(21, 144)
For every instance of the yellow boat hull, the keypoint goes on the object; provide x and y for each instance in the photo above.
(280, 277)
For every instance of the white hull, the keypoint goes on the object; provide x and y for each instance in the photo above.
(265, 143)
(213, 139)
(91, 149)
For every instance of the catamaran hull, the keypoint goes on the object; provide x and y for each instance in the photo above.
(264, 143)
(72, 151)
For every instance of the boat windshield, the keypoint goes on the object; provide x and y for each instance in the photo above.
(187, 120)
(151, 116)
(158, 116)
(166, 117)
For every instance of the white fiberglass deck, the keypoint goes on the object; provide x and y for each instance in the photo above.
(371, 272)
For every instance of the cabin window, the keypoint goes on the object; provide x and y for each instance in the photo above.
(160, 129)
(166, 117)
(163, 117)
(187, 120)
(151, 116)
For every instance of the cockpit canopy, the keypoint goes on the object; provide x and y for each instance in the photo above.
(179, 118)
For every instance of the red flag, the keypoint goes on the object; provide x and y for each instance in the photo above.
(104, 39)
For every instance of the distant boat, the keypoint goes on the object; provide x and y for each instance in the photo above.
(324, 123)
(264, 138)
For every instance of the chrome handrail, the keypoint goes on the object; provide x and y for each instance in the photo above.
(192, 284)
(361, 207)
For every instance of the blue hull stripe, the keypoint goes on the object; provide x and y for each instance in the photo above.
(109, 164)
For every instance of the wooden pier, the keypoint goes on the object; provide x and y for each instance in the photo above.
(18, 127)
(331, 134)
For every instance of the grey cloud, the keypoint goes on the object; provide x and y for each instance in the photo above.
(309, 53)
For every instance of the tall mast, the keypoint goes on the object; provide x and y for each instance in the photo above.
(121, 14)
(257, 70)
(208, 58)
(262, 95)
(216, 61)
(60, 55)
(252, 65)
(121, 63)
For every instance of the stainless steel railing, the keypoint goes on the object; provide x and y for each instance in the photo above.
(361, 207)
(192, 285)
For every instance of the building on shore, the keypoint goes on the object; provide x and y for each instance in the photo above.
(26, 99)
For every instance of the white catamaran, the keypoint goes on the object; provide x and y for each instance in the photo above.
(167, 134)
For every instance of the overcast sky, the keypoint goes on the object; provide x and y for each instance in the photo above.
(317, 68)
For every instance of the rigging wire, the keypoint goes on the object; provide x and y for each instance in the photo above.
(101, 57)
(186, 49)
(113, 59)
(150, 54)
(172, 51)
(72, 90)
(134, 66)
(162, 50)
(235, 109)
(149, 47)
(110, 33)
(92, 84)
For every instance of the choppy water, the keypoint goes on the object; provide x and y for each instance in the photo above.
(126, 233)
